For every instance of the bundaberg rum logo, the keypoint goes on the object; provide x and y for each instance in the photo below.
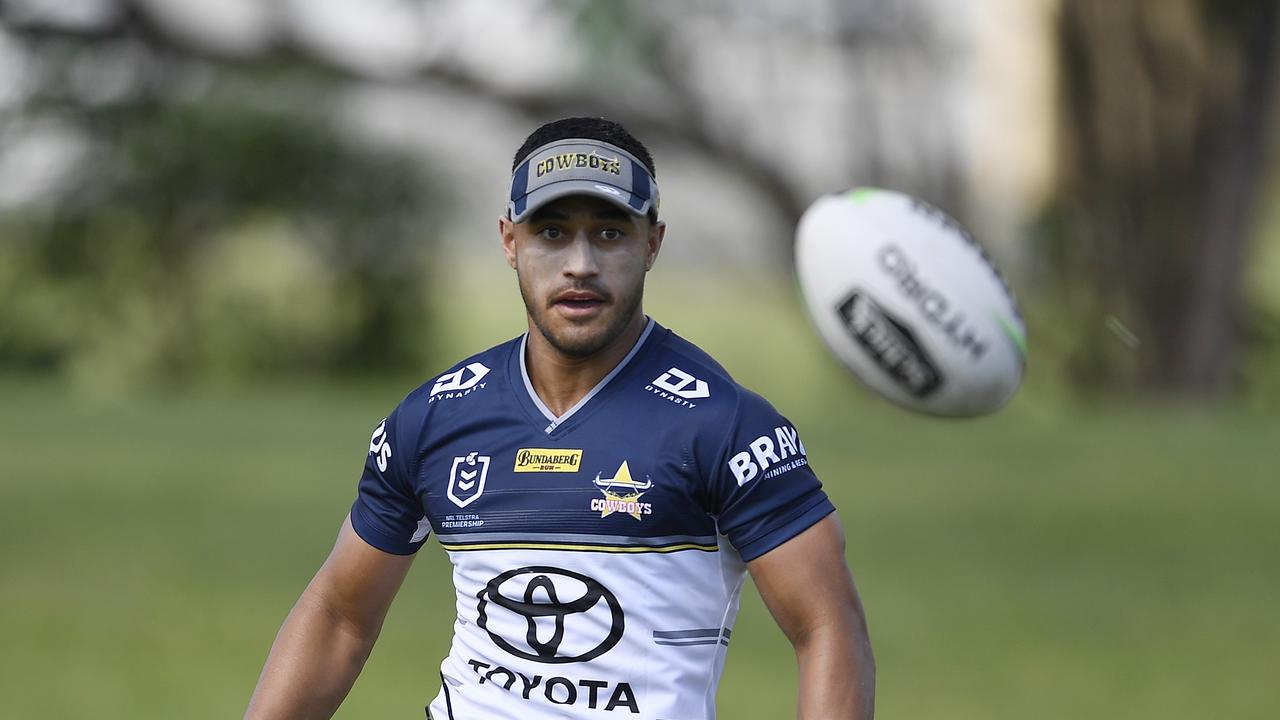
(548, 460)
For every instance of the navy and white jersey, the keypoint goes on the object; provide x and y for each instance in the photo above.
(598, 556)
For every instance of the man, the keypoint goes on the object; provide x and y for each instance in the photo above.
(600, 484)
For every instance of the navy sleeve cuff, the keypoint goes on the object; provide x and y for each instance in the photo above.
(376, 537)
(791, 525)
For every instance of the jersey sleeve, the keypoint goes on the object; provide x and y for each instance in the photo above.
(387, 514)
(763, 491)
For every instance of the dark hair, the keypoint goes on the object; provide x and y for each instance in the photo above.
(584, 127)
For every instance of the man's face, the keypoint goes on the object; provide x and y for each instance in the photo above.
(581, 263)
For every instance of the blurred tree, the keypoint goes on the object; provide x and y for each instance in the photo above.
(218, 224)
(1166, 105)
(797, 98)
(671, 72)
(794, 99)
(1168, 118)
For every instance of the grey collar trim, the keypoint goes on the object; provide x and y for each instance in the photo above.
(546, 412)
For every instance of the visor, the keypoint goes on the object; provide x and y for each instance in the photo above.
(581, 166)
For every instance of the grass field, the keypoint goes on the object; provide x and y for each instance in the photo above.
(1043, 563)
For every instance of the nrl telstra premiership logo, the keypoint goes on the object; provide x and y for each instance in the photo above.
(467, 478)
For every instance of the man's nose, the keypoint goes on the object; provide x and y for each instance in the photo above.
(581, 259)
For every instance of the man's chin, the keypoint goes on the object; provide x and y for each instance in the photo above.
(577, 342)
(583, 335)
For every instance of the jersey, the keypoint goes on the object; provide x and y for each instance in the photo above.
(597, 556)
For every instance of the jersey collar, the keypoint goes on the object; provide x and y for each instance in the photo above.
(555, 422)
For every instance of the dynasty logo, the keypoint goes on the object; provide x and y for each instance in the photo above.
(622, 494)
(548, 460)
(459, 383)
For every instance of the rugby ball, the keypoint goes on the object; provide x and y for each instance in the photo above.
(909, 301)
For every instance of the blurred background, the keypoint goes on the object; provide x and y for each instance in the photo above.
(234, 233)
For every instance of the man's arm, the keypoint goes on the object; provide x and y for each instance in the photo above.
(328, 635)
(807, 586)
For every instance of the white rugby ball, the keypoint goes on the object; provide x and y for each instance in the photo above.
(907, 299)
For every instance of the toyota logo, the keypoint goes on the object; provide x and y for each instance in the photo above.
(526, 612)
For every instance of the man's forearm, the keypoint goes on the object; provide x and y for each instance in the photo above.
(313, 663)
(837, 675)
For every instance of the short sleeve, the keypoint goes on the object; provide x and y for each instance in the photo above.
(386, 513)
(763, 491)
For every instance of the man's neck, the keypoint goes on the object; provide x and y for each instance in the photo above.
(562, 380)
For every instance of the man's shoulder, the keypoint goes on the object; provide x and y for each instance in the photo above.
(683, 371)
(472, 374)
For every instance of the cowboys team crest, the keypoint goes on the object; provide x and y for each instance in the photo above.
(467, 478)
(622, 494)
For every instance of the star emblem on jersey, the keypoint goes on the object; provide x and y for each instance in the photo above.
(467, 478)
(622, 494)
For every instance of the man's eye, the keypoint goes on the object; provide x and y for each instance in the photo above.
(552, 233)
(611, 234)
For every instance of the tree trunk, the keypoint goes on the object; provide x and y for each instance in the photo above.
(1236, 134)
(1166, 128)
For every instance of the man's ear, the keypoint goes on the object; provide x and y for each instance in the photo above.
(657, 231)
(507, 230)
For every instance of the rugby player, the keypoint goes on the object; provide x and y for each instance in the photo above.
(601, 485)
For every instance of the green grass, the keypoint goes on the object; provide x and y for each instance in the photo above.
(1041, 563)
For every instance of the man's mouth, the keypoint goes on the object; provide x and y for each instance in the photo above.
(576, 301)
(579, 299)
